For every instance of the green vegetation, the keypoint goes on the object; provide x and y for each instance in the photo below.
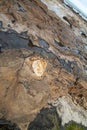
(48, 119)
(73, 126)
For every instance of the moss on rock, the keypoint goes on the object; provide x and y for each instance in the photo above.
(48, 119)
(74, 126)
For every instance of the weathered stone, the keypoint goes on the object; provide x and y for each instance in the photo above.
(68, 111)
(39, 66)
(34, 73)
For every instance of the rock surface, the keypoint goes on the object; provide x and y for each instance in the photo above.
(68, 111)
(43, 57)
(48, 119)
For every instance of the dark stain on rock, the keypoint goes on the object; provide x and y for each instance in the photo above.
(47, 119)
(66, 65)
(0, 48)
(1, 24)
(43, 43)
(70, 66)
(7, 125)
(11, 40)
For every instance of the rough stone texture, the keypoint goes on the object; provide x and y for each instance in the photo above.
(39, 66)
(49, 119)
(50, 62)
(68, 111)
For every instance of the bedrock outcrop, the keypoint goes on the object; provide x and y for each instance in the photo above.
(43, 58)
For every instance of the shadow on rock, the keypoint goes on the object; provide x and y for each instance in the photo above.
(7, 125)
(47, 119)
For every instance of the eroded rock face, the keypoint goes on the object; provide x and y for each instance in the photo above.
(23, 91)
(44, 61)
(48, 119)
(68, 111)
